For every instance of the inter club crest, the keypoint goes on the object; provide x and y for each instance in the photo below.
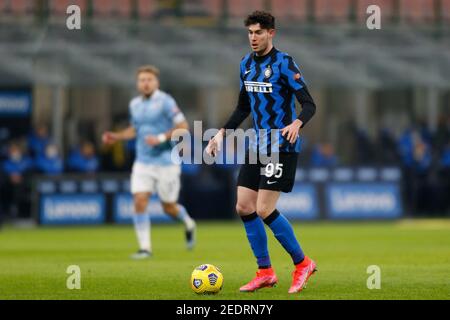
(268, 72)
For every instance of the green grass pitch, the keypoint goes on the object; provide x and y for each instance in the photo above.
(414, 257)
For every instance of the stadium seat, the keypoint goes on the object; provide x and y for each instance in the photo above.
(17, 7)
(445, 11)
(211, 8)
(214, 7)
(290, 9)
(146, 8)
(238, 8)
(386, 6)
(417, 11)
(332, 11)
(112, 8)
(101, 7)
(59, 7)
(123, 8)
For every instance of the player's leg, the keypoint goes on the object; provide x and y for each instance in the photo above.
(272, 182)
(280, 226)
(284, 233)
(247, 196)
(254, 227)
(141, 221)
(168, 187)
(142, 186)
(277, 176)
(179, 212)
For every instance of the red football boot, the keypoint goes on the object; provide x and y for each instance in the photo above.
(264, 278)
(301, 275)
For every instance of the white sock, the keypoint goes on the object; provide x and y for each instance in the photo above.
(184, 216)
(142, 228)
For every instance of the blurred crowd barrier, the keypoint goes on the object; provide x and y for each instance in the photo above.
(319, 193)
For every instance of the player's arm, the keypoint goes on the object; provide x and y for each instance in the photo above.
(241, 111)
(110, 137)
(294, 80)
(239, 114)
(165, 136)
(179, 123)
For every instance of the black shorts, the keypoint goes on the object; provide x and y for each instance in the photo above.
(273, 176)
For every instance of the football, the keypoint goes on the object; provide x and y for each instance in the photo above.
(206, 279)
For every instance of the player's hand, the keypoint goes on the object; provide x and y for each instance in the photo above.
(152, 140)
(291, 131)
(16, 178)
(109, 137)
(215, 144)
(156, 140)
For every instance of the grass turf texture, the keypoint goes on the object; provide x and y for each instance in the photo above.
(414, 257)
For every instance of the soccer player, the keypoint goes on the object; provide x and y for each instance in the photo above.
(270, 81)
(154, 117)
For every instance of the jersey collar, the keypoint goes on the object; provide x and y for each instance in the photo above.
(271, 53)
(154, 95)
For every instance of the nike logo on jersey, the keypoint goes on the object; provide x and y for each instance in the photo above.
(271, 182)
(247, 72)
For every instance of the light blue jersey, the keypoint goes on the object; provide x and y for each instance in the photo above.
(155, 115)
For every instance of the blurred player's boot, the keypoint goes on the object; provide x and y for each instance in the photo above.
(189, 224)
(301, 274)
(141, 254)
(264, 278)
(191, 231)
(142, 228)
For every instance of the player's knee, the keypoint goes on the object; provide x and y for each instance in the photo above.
(263, 210)
(170, 208)
(140, 204)
(244, 209)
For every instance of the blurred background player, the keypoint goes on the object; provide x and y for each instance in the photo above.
(50, 162)
(17, 168)
(83, 159)
(272, 109)
(154, 116)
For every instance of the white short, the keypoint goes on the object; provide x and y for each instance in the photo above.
(163, 180)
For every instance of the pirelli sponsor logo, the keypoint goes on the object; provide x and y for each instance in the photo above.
(261, 87)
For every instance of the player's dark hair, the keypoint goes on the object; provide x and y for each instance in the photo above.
(265, 19)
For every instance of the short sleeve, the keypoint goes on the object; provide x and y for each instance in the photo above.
(130, 114)
(172, 111)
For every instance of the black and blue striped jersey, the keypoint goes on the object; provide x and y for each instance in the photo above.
(268, 87)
